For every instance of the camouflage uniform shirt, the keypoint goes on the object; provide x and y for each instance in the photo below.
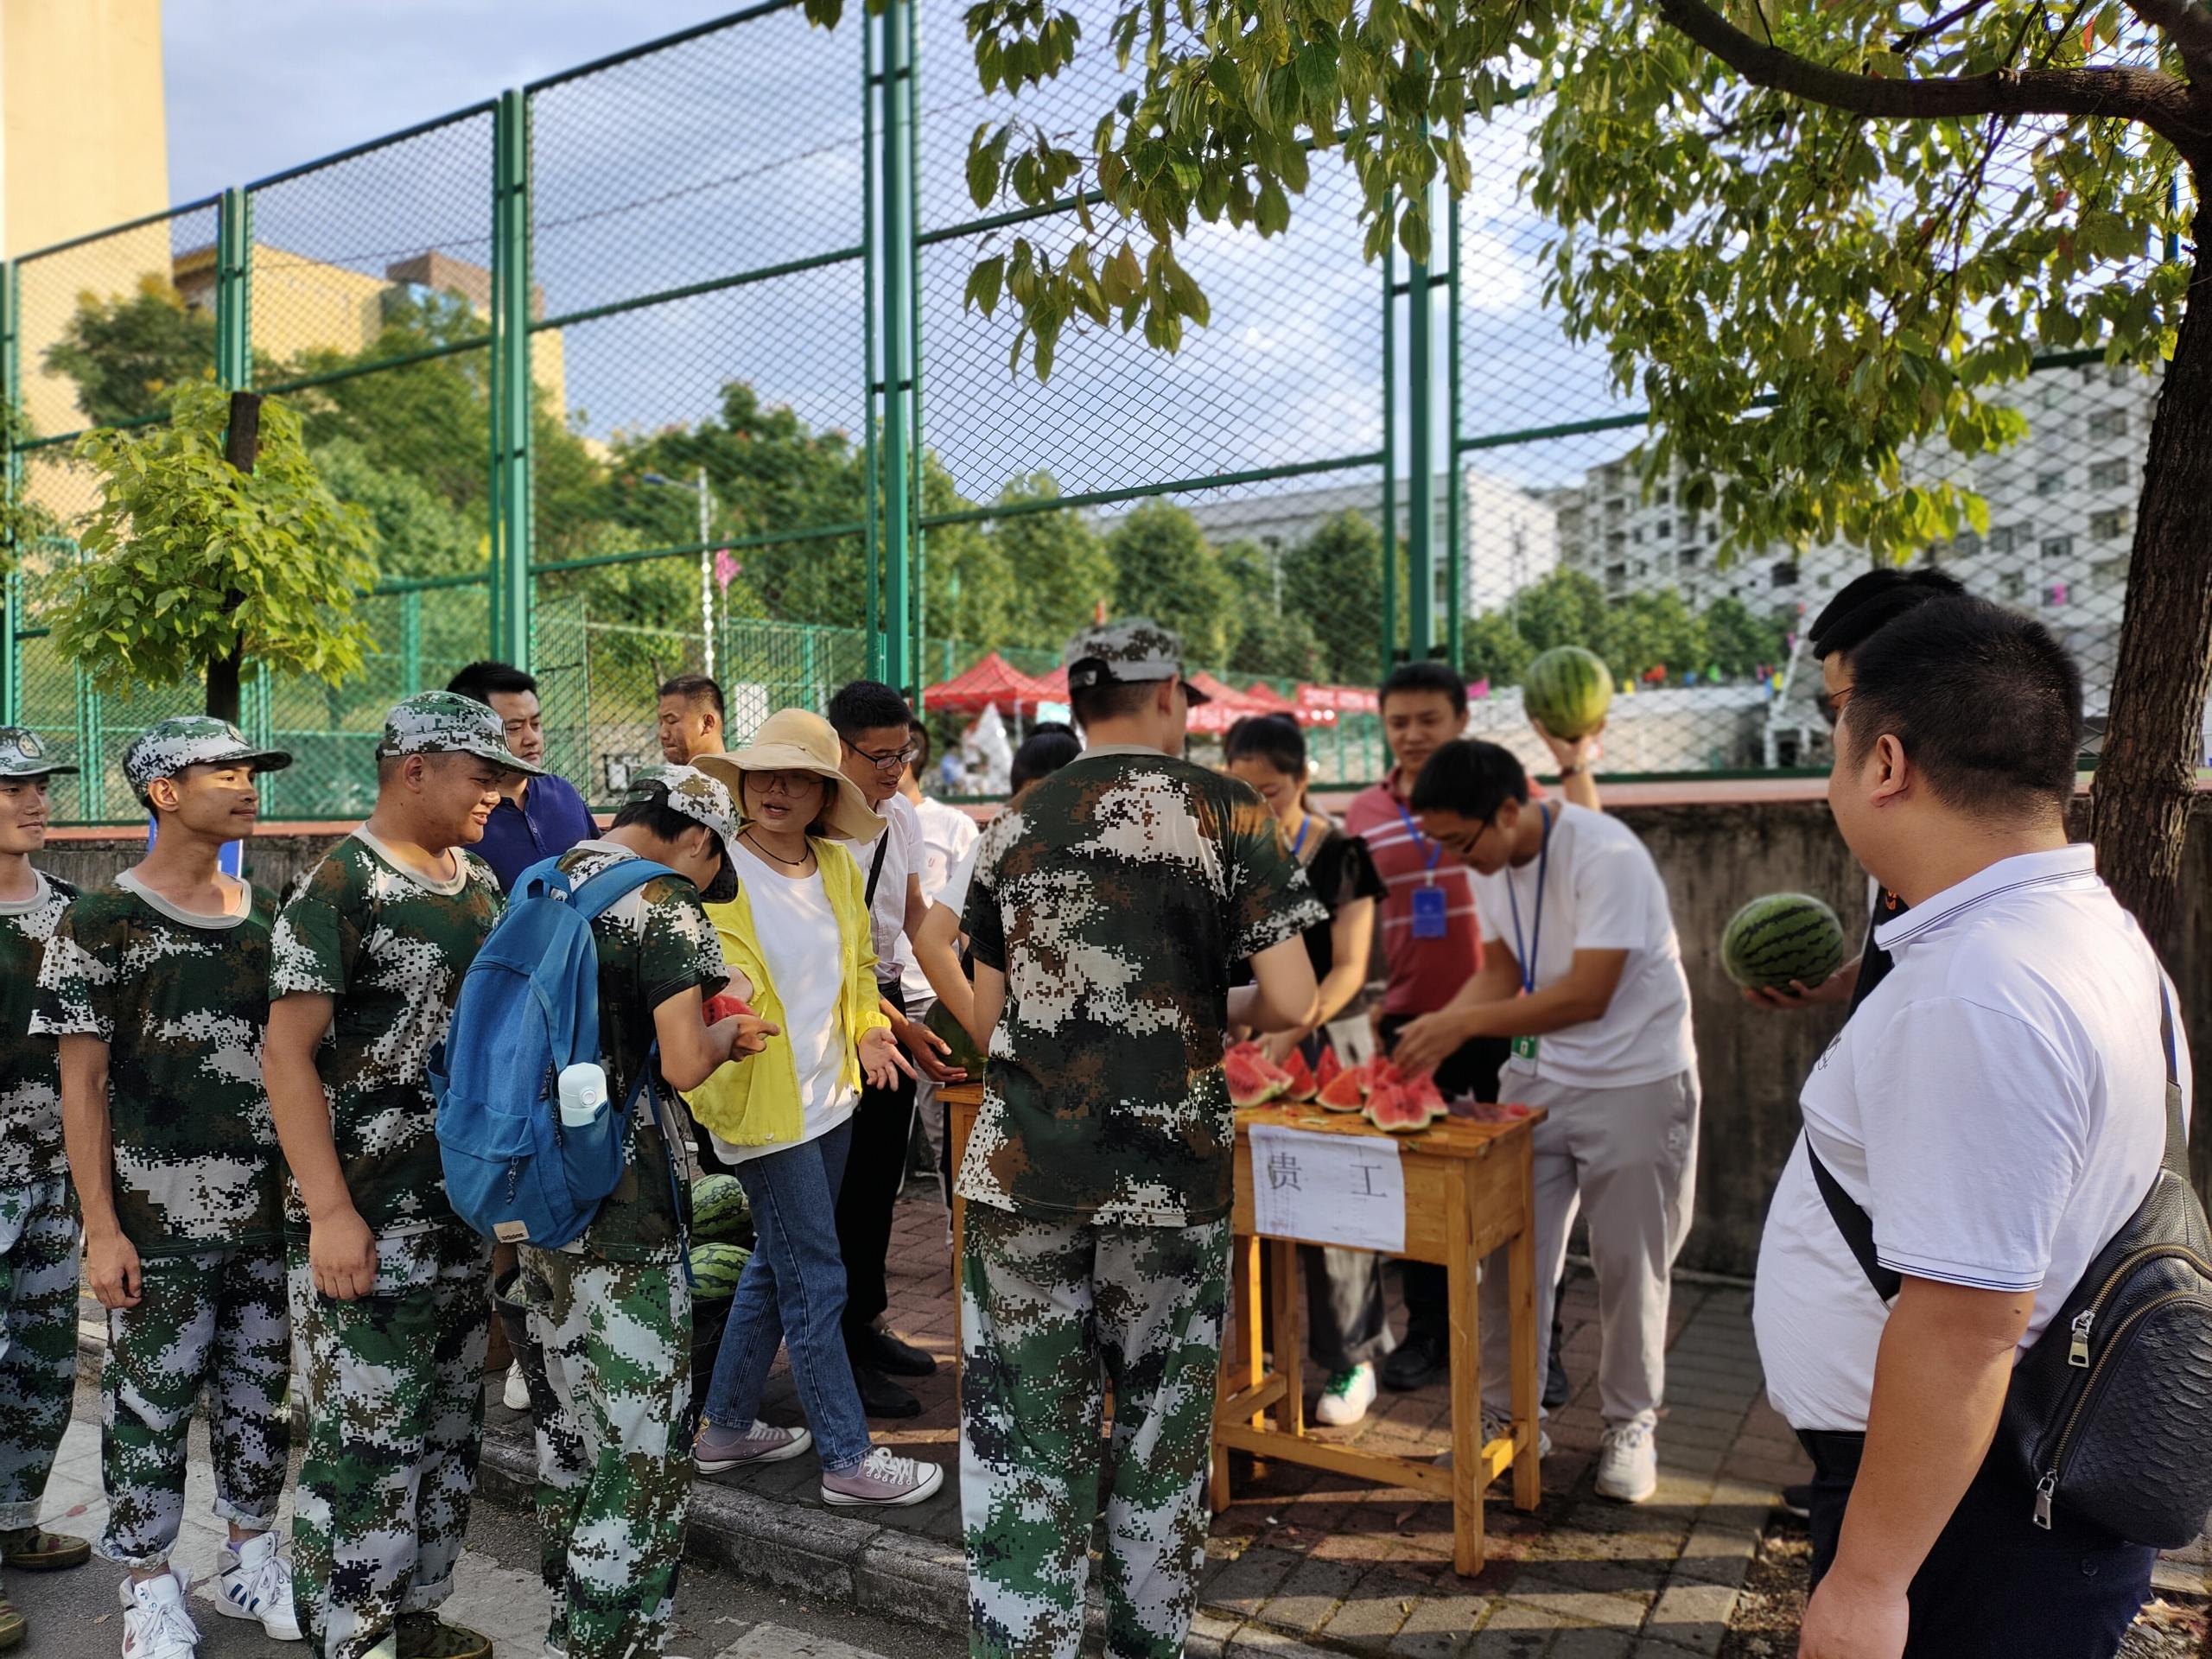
(1115, 900)
(31, 1068)
(389, 948)
(653, 943)
(181, 1001)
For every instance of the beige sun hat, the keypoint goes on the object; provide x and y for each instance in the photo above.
(795, 739)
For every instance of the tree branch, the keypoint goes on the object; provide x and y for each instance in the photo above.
(2161, 102)
(2188, 24)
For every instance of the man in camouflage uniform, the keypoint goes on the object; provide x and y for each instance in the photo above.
(157, 986)
(387, 1286)
(1106, 912)
(38, 1208)
(612, 1311)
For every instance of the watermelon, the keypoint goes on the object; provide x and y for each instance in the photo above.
(1491, 1111)
(1302, 1082)
(1330, 1069)
(720, 1214)
(1568, 690)
(1423, 1091)
(1393, 1109)
(716, 1269)
(1345, 1092)
(1781, 938)
(1252, 1081)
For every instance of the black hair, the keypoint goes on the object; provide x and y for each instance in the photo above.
(1115, 700)
(695, 688)
(1472, 777)
(1439, 678)
(1985, 702)
(484, 681)
(920, 735)
(1044, 752)
(1274, 739)
(649, 810)
(867, 706)
(1866, 602)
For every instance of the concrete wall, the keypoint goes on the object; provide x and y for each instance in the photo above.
(1714, 857)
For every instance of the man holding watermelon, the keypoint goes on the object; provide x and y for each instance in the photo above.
(1583, 976)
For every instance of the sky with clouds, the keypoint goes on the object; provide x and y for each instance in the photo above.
(742, 150)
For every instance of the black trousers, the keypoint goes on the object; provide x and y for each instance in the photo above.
(1996, 1585)
(1470, 1070)
(876, 1170)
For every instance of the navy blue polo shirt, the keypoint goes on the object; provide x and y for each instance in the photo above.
(552, 819)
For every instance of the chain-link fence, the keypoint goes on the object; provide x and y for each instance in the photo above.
(664, 365)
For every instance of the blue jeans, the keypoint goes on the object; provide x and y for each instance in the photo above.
(792, 1294)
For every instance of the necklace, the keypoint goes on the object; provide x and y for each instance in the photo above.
(788, 863)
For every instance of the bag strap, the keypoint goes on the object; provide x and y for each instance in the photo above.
(1858, 1227)
(875, 870)
(613, 884)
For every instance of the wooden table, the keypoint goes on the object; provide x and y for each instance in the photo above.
(1468, 1194)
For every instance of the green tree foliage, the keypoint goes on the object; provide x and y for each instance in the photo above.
(192, 568)
(1334, 580)
(1165, 570)
(1738, 644)
(126, 353)
(1641, 633)
(1278, 643)
(1057, 564)
(1497, 651)
(418, 532)
(22, 521)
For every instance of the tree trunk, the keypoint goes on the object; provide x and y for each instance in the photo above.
(241, 445)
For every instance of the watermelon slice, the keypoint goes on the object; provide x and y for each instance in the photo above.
(1328, 1070)
(1344, 1092)
(1252, 1081)
(1302, 1083)
(1389, 1108)
(1491, 1111)
(1424, 1093)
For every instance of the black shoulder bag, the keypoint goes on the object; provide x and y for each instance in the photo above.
(2109, 1414)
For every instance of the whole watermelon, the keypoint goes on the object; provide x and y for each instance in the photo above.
(1567, 688)
(720, 1214)
(1781, 938)
(716, 1269)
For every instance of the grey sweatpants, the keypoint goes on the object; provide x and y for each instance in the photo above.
(1630, 1155)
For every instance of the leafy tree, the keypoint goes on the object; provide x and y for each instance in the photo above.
(1057, 569)
(1496, 649)
(1334, 580)
(1280, 642)
(1738, 643)
(418, 533)
(126, 353)
(1566, 609)
(22, 521)
(1166, 569)
(192, 567)
(1648, 631)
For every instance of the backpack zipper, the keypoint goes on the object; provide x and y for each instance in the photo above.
(2077, 1350)
(2047, 1488)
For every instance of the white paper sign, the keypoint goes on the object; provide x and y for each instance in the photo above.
(1330, 1189)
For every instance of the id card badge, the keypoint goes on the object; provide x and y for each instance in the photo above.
(1429, 907)
(1524, 1048)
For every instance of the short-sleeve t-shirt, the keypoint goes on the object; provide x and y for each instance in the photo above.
(390, 948)
(904, 853)
(1115, 898)
(1600, 891)
(182, 1000)
(1421, 975)
(30, 1067)
(653, 943)
(948, 837)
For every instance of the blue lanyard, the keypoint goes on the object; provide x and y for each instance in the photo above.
(1435, 847)
(1528, 953)
(1304, 824)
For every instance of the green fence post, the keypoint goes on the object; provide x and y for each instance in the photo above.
(1389, 618)
(1420, 467)
(872, 526)
(234, 291)
(511, 526)
(895, 260)
(410, 643)
(1455, 499)
(11, 590)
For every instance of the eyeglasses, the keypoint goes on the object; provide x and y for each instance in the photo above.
(890, 762)
(1833, 704)
(786, 783)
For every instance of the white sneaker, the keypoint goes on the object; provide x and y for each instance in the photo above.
(883, 1478)
(155, 1622)
(1627, 1463)
(516, 1395)
(256, 1582)
(1347, 1398)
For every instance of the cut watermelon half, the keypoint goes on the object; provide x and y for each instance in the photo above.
(1302, 1083)
(1390, 1109)
(1252, 1081)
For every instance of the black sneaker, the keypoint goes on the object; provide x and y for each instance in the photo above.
(1424, 1357)
(1798, 1500)
(880, 1397)
(889, 1353)
(1557, 1389)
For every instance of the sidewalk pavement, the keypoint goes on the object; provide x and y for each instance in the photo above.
(1305, 1562)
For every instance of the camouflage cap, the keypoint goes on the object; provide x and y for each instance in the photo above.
(691, 792)
(166, 748)
(443, 722)
(22, 754)
(1128, 652)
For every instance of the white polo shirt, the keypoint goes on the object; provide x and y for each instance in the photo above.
(1997, 1105)
(1600, 892)
(947, 835)
(904, 853)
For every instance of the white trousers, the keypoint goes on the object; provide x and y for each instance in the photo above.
(1630, 1156)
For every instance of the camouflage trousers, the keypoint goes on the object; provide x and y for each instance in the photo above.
(614, 1458)
(394, 1403)
(215, 1321)
(38, 1338)
(1050, 1311)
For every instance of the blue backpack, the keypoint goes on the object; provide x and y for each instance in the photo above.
(529, 1006)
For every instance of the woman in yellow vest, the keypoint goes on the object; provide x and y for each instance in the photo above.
(797, 945)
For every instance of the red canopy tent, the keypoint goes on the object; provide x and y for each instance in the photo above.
(988, 681)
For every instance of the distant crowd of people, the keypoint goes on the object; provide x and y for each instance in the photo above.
(221, 1107)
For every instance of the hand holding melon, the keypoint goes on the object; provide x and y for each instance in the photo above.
(1566, 692)
(1781, 941)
